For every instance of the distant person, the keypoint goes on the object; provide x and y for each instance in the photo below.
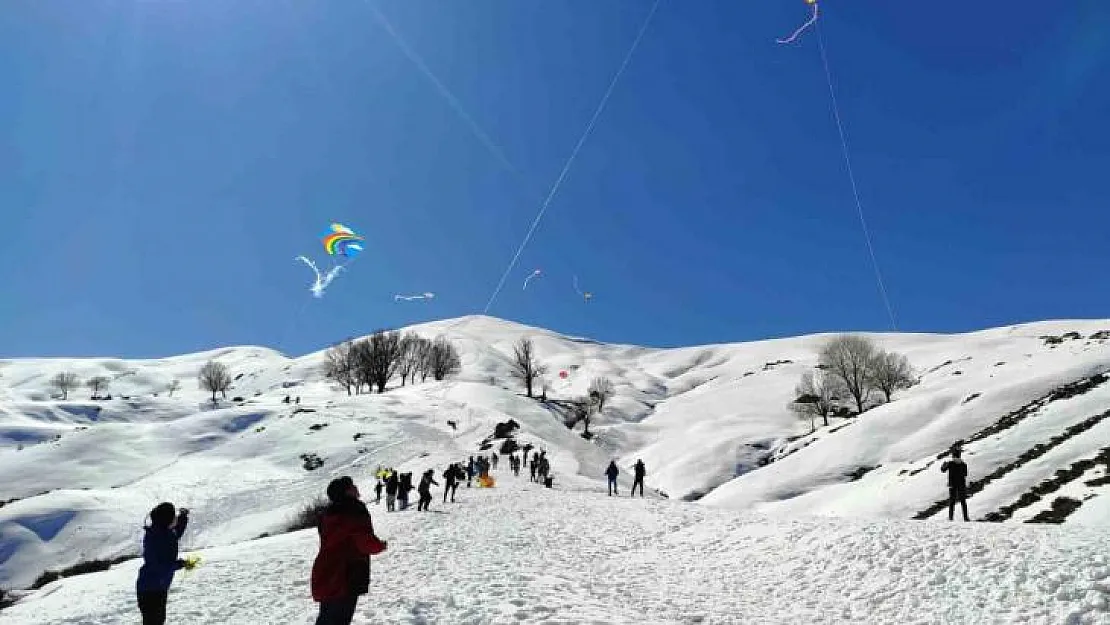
(956, 469)
(378, 492)
(532, 468)
(471, 469)
(425, 490)
(450, 482)
(638, 478)
(403, 489)
(493, 461)
(392, 483)
(612, 472)
(160, 561)
(341, 571)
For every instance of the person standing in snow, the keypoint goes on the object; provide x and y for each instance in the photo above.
(612, 472)
(160, 561)
(956, 469)
(391, 486)
(470, 469)
(403, 489)
(493, 461)
(450, 482)
(532, 468)
(378, 492)
(425, 490)
(341, 571)
(638, 478)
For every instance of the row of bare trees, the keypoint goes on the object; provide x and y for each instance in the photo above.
(372, 362)
(213, 377)
(850, 366)
(67, 382)
(527, 368)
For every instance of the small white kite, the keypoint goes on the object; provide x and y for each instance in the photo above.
(535, 274)
(585, 295)
(409, 298)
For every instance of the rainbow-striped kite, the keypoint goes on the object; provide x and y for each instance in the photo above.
(339, 240)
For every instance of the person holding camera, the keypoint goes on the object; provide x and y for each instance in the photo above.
(160, 561)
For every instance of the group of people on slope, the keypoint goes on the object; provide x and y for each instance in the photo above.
(341, 571)
(639, 471)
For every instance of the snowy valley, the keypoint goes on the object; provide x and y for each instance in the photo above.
(750, 516)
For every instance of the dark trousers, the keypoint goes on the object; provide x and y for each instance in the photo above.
(152, 605)
(637, 482)
(337, 611)
(613, 487)
(954, 495)
(424, 501)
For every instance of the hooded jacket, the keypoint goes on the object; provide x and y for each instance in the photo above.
(160, 546)
(347, 540)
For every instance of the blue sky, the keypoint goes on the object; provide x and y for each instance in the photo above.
(163, 162)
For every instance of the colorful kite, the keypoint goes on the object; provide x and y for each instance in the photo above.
(409, 298)
(585, 295)
(339, 242)
(801, 29)
(535, 274)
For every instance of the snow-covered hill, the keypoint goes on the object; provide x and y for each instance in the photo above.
(710, 422)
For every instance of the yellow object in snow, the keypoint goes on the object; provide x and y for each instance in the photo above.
(191, 562)
(486, 482)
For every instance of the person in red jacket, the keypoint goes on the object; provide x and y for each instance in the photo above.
(341, 571)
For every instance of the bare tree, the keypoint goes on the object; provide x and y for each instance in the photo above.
(65, 382)
(891, 372)
(444, 358)
(849, 358)
(97, 384)
(410, 358)
(601, 389)
(377, 358)
(526, 367)
(173, 387)
(215, 378)
(340, 365)
(584, 408)
(815, 396)
(423, 355)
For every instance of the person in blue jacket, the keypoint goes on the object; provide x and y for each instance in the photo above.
(160, 561)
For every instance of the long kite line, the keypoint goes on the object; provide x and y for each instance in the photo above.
(444, 92)
(492, 146)
(573, 155)
(852, 176)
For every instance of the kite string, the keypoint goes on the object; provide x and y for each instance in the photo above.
(852, 176)
(573, 155)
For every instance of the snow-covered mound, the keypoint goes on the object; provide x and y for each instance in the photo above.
(710, 422)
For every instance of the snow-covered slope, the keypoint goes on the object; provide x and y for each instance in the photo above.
(710, 422)
(521, 553)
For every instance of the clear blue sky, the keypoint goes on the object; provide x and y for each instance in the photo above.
(162, 162)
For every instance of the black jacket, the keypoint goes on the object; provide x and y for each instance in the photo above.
(426, 485)
(957, 473)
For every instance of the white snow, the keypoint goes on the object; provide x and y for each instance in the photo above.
(760, 546)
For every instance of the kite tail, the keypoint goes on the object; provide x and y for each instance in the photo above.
(802, 28)
(321, 282)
